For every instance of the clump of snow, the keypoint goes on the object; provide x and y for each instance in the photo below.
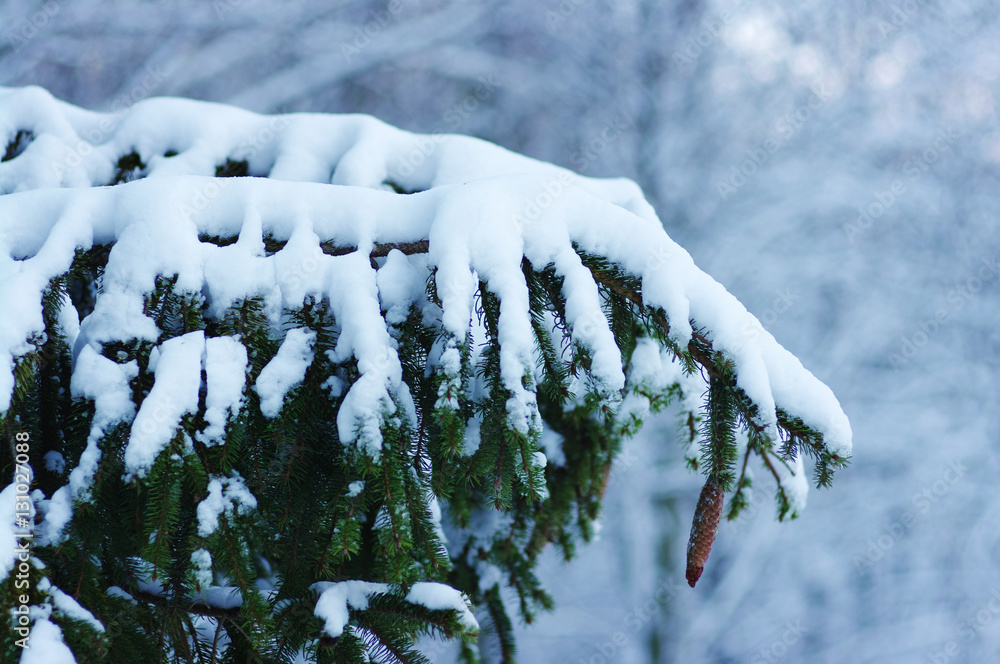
(793, 481)
(174, 394)
(401, 284)
(68, 606)
(202, 561)
(336, 600)
(58, 510)
(441, 597)
(353, 294)
(107, 383)
(226, 495)
(55, 462)
(46, 645)
(225, 369)
(286, 370)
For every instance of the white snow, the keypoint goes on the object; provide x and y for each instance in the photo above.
(353, 295)
(174, 394)
(225, 369)
(54, 462)
(793, 480)
(107, 383)
(401, 281)
(472, 230)
(58, 510)
(475, 228)
(46, 645)
(202, 561)
(335, 600)
(69, 606)
(286, 370)
(439, 597)
(226, 495)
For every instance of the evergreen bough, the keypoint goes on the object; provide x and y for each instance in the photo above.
(376, 468)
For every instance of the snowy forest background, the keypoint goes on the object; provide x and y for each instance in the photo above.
(826, 107)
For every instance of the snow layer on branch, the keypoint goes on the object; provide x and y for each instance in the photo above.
(357, 150)
(480, 208)
(225, 369)
(107, 383)
(336, 600)
(68, 606)
(286, 370)
(174, 394)
(353, 294)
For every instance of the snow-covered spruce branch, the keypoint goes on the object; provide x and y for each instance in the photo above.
(339, 372)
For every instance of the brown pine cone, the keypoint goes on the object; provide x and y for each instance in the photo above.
(703, 529)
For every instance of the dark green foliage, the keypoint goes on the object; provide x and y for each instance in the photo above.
(330, 511)
(130, 167)
(232, 169)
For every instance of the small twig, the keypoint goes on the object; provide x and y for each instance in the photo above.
(770, 466)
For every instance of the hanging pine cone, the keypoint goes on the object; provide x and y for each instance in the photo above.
(703, 529)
